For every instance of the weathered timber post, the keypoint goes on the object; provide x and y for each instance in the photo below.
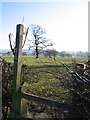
(16, 100)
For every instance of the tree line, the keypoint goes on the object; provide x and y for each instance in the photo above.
(54, 53)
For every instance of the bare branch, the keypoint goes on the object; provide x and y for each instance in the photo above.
(37, 30)
(11, 43)
(25, 37)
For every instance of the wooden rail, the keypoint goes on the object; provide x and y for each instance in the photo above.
(51, 103)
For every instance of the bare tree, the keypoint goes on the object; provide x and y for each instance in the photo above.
(54, 52)
(40, 42)
(48, 53)
(51, 53)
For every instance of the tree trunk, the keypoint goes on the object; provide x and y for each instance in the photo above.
(37, 53)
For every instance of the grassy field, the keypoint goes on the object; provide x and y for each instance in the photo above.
(44, 77)
(31, 60)
(51, 82)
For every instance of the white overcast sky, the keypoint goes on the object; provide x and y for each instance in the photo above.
(66, 21)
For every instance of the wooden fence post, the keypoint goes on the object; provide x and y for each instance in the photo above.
(16, 99)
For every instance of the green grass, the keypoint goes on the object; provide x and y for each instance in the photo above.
(51, 82)
(31, 60)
